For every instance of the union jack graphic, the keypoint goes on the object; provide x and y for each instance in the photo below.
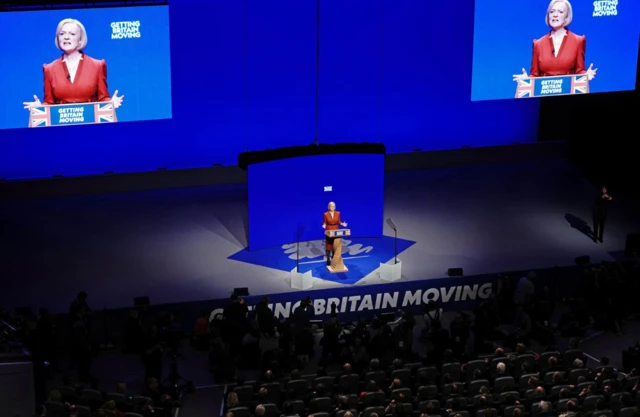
(40, 117)
(579, 84)
(105, 113)
(524, 89)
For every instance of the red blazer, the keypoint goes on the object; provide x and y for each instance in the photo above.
(332, 224)
(570, 59)
(90, 83)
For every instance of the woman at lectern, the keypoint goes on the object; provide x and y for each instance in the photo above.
(559, 52)
(74, 77)
(331, 221)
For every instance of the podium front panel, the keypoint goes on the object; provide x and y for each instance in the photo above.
(561, 85)
(338, 233)
(72, 114)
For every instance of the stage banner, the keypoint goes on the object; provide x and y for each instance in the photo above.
(354, 302)
(561, 85)
(361, 301)
(72, 114)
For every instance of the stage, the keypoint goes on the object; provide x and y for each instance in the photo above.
(188, 244)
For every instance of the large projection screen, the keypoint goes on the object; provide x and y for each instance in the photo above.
(554, 48)
(85, 66)
(287, 197)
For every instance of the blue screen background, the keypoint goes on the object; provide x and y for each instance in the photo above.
(287, 197)
(243, 78)
(139, 68)
(503, 42)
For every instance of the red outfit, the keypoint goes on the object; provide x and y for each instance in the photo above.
(570, 58)
(89, 84)
(331, 224)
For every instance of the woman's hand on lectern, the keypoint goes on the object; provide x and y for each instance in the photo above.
(520, 76)
(344, 224)
(591, 73)
(35, 103)
(324, 226)
(117, 100)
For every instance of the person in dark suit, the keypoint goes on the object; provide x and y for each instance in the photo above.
(74, 77)
(560, 52)
(600, 210)
(331, 221)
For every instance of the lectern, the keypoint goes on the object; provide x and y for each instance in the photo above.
(337, 264)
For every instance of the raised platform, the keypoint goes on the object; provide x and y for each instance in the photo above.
(189, 243)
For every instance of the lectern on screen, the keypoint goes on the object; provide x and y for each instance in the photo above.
(288, 197)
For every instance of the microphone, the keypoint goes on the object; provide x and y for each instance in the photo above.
(553, 51)
(69, 77)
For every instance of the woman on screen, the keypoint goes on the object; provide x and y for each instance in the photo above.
(331, 222)
(74, 77)
(560, 52)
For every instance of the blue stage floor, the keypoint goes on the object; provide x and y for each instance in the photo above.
(361, 258)
(189, 244)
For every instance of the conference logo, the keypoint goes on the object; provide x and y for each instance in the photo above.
(315, 248)
(361, 255)
(125, 30)
(603, 8)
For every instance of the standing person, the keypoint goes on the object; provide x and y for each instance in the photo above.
(79, 308)
(331, 221)
(459, 330)
(152, 354)
(432, 315)
(600, 209)
(525, 290)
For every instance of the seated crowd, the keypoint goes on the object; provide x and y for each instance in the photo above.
(78, 400)
(508, 385)
(479, 366)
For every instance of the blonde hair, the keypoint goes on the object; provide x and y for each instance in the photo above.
(569, 17)
(232, 400)
(83, 33)
(330, 203)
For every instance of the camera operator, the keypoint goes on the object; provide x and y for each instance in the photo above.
(303, 313)
(236, 311)
(381, 339)
(235, 323)
(265, 317)
(403, 336)
(330, 342)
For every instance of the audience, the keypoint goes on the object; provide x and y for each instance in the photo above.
(478, 365)
(455, 378)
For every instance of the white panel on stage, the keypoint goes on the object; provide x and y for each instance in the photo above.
(391, 272)
(301, 281)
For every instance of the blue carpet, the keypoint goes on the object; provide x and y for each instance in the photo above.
(361, 256)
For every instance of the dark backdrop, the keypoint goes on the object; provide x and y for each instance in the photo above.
(603, 134)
